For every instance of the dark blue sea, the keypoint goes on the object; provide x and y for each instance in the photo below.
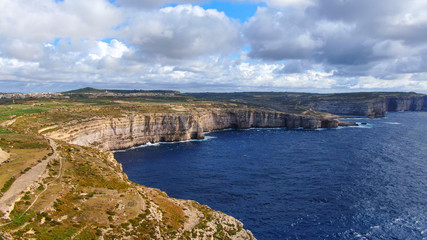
(367, 182)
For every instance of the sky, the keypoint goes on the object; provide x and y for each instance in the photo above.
(214, 46)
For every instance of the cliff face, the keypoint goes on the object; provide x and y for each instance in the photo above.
(137, 129)
(376, 107)
(194, 221)
(407, 104)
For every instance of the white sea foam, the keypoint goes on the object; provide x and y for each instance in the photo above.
(392, 123)
(355, 118)
(209, 137)
(221, 130)
(359, 125)
(150, 144)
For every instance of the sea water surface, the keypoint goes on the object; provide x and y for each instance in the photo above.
(367, 182)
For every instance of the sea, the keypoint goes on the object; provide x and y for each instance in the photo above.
(363, 182)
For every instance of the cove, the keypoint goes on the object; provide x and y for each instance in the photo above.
(348, 183)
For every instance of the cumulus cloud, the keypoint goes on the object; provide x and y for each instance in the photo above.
(184, 31)
(115, 49)
(305, 45)
(298, 4)
(27, 25)
(154, 3)
(353, 38)
(276, 35)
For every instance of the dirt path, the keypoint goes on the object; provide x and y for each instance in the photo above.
(23, 183)
(9, 122)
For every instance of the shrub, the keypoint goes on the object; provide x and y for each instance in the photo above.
(8, 184)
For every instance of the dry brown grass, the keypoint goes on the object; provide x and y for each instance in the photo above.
(90, 195)
(173, 213)
(20, 160)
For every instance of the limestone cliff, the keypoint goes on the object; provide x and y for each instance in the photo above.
(376, 107)
(136, 129)
(82, 192)
(406, 104)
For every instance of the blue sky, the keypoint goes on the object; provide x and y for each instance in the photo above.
(238, 10)
(288, 45)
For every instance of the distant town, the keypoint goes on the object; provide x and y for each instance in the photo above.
(90, 93)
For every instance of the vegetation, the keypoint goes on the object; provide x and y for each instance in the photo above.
(84, 193)
(8, 184)
(94, 90)
(294, 102)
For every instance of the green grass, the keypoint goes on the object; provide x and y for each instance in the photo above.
(6, 112)
(85, 90)
(8, 184)
(4, 131)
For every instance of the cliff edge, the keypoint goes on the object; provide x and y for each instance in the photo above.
(83, 192)
(110, 133)
(375, 107)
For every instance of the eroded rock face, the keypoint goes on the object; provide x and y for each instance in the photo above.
(406, 104)
(200, 222)
(373, 107)
(137, 129)
(3, 156)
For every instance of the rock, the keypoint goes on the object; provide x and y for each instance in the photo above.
(346, 124)
(373, 108)
(4, 156)
(137, 129)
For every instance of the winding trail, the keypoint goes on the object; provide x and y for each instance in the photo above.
(9, 122)
(25, 181)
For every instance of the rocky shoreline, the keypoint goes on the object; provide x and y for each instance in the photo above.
(138, 129)
(377, 107)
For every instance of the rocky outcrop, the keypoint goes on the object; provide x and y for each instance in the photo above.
(3, 156)
(136, 129)
(376, 107)
(406, 104)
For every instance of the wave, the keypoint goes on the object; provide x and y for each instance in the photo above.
(221, 130)
(150, 144)
(392, 123)
(359, 125)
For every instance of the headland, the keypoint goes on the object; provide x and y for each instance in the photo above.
(74, 188)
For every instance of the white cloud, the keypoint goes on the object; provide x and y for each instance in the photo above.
(183, 31)
(27, 25)
(114, 49)
(154, 3)
(299, 4)
(308, 45)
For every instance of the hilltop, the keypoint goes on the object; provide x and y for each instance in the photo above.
(89, 90)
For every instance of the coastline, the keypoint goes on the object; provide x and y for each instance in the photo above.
(87, 138)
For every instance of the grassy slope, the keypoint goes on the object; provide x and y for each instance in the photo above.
(84, 194)
(94, 90)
